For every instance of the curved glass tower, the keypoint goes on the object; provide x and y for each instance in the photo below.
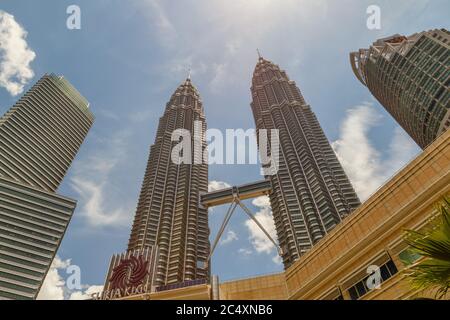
(410, 77)
(310, 193)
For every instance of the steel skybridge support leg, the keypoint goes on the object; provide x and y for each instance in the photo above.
(250, 214)
(235, 202)
(222, 228)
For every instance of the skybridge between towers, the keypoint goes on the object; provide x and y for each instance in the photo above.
(234, 196)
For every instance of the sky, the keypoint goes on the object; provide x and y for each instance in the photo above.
(129, 57)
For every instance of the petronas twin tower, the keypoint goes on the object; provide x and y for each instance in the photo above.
(168, 214)
(310, 192)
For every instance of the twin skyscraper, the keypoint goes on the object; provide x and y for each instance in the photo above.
(310, 192)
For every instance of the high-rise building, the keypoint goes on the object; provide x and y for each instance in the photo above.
(39, 137)
(169, 214)
(42, 132)
(410, 77)
(32, 225)
(311, 193)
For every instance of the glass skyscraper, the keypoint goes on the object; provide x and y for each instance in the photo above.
(410, 77)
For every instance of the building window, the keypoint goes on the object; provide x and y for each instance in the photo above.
(360, 288)
(408, 257)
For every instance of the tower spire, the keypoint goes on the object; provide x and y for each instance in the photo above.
(259, 54)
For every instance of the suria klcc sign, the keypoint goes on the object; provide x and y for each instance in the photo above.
(129, 274)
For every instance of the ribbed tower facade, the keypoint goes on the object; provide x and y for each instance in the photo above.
(310, 193)
(39, 138)
(410, 77)
(169, 214)
(42, 132)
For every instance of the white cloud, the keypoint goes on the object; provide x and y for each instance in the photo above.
(402, 149)
(92, 196)
(245, 252)
(261, 202)
(230, 237)
(217, 185)
(258, 239)
(264, 216)
(277, 259)
(85, 294)
(363, 163)
(54, 286)
(15, 55)
(92, 182)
